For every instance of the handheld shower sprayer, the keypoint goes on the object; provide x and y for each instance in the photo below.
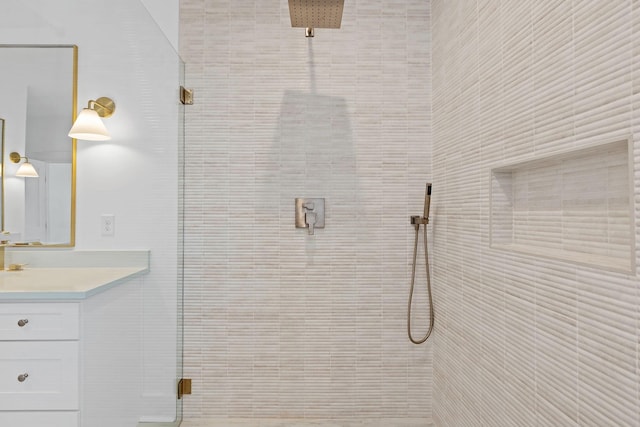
(427, 201)
(416, 221)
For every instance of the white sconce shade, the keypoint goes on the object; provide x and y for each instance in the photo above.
(27, 170)
(88, 125)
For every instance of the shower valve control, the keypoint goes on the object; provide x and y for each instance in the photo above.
(310, 214)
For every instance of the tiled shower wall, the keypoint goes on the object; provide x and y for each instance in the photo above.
(279, 323)
(521, 339)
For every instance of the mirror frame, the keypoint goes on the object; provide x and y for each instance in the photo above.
(74, 112)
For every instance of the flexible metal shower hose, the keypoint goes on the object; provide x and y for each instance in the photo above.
(413, 279)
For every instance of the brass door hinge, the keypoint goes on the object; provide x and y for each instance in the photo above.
(186, 96)
(184, 387)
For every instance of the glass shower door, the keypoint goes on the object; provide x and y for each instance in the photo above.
(180, 248)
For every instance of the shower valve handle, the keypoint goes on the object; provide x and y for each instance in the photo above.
(310, 218)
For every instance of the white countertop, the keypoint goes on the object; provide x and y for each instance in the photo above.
(62, 283)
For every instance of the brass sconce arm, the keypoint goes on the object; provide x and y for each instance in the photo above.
(105, 107)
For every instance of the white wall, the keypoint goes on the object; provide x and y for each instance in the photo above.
(166, 13)
(123, 55)
(279, 323)
(525, 339)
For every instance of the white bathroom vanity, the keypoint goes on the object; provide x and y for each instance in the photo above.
(70, 345)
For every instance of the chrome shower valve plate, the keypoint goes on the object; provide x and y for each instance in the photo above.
(315, 205)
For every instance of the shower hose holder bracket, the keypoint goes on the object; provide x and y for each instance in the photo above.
(416, 220)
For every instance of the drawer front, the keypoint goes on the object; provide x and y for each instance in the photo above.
(39, 419)
(39, 321)
(51, 381)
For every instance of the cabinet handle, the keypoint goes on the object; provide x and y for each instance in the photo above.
(22, 322)
(23, 377)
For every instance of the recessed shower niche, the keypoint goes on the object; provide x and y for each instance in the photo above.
(573, 205)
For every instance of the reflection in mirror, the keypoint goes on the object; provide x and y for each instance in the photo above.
(1, 173)
(38, 102)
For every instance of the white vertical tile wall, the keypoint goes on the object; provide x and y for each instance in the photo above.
(522, 340)
(279, 323)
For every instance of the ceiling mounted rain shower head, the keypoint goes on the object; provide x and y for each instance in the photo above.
(316, 13)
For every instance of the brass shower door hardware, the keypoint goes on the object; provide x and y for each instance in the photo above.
(184, 387)
(184, 384)
(186, 96)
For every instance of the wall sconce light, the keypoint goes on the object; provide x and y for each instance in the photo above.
(26, 169)
(88, 125)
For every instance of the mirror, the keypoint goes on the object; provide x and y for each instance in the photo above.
(2, 185)
(38, 104)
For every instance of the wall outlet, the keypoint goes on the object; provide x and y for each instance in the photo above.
(108, 224)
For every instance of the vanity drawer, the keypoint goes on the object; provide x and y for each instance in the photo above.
(40, 321)
(52, 375)
(39, 419)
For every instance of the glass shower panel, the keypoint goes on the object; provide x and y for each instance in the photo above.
(160, 73)
(180, 278)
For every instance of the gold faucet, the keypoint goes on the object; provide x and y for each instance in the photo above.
(4, 242)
